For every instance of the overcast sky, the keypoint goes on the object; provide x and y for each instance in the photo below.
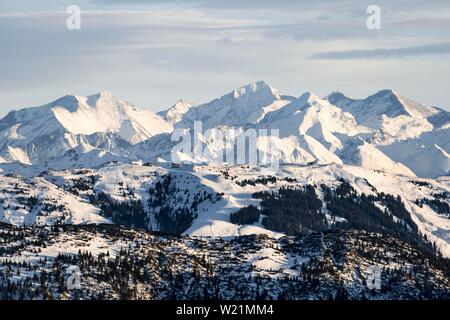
(152, 52)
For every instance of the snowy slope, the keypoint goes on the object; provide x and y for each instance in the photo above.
(105, 113)
(214, 221)
(37, 201)
(81, 158)
(424, 160)
(101, 112)
(366, 155)
(37, 135)
(132, 182)
(67, 195)
(313, 116)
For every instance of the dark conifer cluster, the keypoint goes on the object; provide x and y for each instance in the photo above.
(296, 211)
(439, 204)
(361, 212)
(129, 213)
(246, 215)
(175, 207)
(292, 211)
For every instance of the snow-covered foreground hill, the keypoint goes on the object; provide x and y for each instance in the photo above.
(198, 200)
(114, 262)
(36, 201)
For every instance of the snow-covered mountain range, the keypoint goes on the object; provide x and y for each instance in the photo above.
(384, 131)
(360, 184)
(98, 159)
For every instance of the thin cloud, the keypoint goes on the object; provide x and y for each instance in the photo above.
(155, 52)
(442, 48)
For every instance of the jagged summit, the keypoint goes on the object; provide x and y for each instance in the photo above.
(308, 98)
(385, 92)
(386, 102)
(243, 106)
(102, 96)
(175, 113)
(259, 86)
(73, 102)
(337, 98)
(103, 112)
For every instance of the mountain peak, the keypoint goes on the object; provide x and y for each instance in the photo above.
(338, 98)
(105, 93)
(386, 102)
(182, 102)
(86, 115)
(175, 113)
(68, 98)
(102, 98)
(388, 91)
(336, 95)
(72, 102)
(240, 107)
(383, 96)
(308, 98)
(253, 88)
(102, 94)
(385, 93)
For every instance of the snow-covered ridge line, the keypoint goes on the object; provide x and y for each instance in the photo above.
(198, 200)
(391, 132)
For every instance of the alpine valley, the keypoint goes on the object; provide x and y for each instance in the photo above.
(358, 208)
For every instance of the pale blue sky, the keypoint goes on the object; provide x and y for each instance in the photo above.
(153, 52)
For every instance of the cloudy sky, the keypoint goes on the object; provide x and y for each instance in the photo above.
(154, 52)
